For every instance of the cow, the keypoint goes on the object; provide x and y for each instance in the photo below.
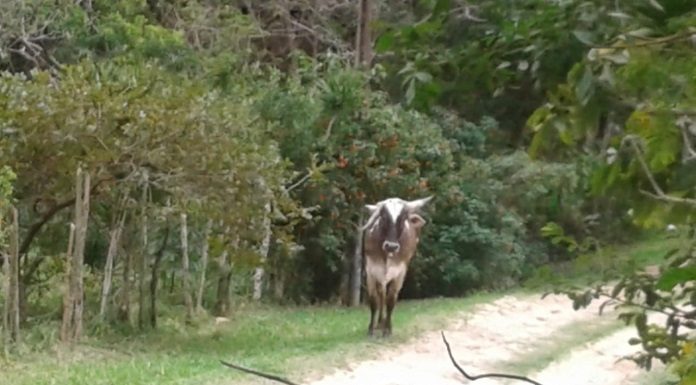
(390, 239)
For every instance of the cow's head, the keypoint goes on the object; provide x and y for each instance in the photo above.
(393, 218)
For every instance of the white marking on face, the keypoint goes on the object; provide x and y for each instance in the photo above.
(394, 207)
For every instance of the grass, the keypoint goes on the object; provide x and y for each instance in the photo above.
(280, 340)
(606, 264)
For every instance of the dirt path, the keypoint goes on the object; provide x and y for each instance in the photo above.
(495, 334)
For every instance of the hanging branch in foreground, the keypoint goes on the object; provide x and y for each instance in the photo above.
(449, 352)
(487, 375)
(659, 193)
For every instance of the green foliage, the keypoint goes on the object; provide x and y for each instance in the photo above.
(371, 150)
(7, 179)
(641, 80)
(641, 295)
(500, 61)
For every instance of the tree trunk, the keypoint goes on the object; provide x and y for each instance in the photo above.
(124, 309)
(263, 253)
(172, 281)
(363, 56)
(142, 260)
(11, 316)
(114, 238)
(222, 303)
(6, 295)
(185, 273)
(279, 285)
(344, 284)
(71, 329)
(356, 276)
(67, 295)
(204, 266)
(154, 279)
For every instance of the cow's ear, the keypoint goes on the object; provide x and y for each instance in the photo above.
(371, 208)
(416, 221)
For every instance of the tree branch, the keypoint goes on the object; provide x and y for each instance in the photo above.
(486, 375)
(36, 227)
(659, 193)
(254, 372)
(449, 352)
(684, 123)
(299, 182)
(661, 40)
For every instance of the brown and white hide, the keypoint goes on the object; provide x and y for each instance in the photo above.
(390, 240)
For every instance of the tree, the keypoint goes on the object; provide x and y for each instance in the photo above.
(185, 272)
(204, 265)
(363, 48)
(73, 305)
(11, 315)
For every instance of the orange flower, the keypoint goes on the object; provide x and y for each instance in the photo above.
(342, 162)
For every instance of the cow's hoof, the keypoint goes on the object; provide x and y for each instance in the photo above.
(386, 333)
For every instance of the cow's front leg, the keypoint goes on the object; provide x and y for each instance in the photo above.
(373, 310)
(392, 294)
(380, 293)
(375, 293)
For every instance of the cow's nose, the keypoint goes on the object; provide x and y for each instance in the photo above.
(390, 247)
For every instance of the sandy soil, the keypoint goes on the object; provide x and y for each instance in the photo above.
(492, 334)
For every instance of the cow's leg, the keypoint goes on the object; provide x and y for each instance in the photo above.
(380, 295)
(392, 293)
(374, 304)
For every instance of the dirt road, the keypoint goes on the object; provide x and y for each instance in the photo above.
(512, 333)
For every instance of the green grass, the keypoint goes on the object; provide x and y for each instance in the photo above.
(606, 264)
(291, 341)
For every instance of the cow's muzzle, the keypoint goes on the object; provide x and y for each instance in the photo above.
(391, 247)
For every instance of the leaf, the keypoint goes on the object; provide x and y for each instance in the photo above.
(656, 5)
(585, 37)
(641, 32)
(411, 91)
(441, 6)
(620, 57)
(423, 77)
(503, 65)
(585, 87)
(619, 15)
(675, 276)
(385, 42)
